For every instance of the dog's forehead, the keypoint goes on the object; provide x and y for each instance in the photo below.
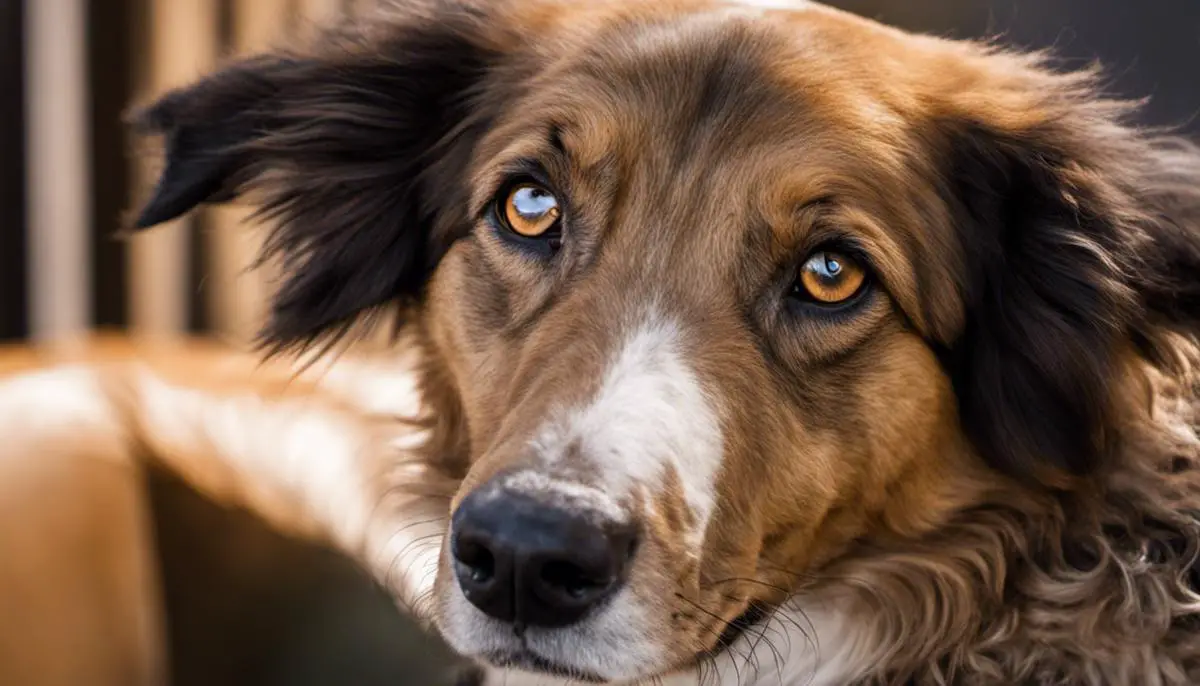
(697, 94)
(694, 83)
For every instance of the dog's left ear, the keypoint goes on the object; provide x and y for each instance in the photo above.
(355, 148)
(1064, 243)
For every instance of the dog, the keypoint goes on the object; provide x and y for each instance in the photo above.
(736, 342)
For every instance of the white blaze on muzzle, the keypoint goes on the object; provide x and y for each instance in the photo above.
(651, 415)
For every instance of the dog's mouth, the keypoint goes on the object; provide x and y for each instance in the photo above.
(529, 661)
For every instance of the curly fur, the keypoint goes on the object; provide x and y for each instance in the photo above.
(1095, 586)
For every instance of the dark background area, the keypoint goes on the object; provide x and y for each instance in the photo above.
(13, 321)
(1149, 47)
(323, 622)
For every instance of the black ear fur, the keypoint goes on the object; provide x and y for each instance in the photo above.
(203, 127)
(1081, 244)
(355, 151)
(1049, 251)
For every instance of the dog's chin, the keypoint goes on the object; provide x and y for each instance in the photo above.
(528, 661)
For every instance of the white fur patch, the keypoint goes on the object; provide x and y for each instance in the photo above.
(612, 643)
(815, 645)
(377, 386)
(310, 469)
(293, 461)
(404, 544)
(650, 413)
(302, 464)
(569, 494)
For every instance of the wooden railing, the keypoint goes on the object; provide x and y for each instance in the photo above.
(179, 42)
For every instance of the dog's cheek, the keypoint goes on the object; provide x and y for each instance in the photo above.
(467, 306)
(486, 298)
(920, 468)
(464, 311)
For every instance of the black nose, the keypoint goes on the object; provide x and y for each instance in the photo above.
(523, 561)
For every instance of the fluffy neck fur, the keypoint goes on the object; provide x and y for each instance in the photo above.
(1097, 585)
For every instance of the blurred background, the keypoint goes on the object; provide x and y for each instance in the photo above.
(68, 70)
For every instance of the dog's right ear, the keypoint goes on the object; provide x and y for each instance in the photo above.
(354, 149)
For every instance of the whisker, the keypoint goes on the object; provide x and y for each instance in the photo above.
(747, 580)
(760, 636)
(395, 564)
(417, 541)
(810, 633)
(748, 657)
(759, 632)
(776, 656)
(718, 634)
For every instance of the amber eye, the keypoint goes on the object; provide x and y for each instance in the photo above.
(831, 277)
(530, 210)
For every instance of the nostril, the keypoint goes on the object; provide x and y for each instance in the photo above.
(572, 580)
(478, 561)
(483, 574)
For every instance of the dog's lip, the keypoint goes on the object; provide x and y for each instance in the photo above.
(735, 628)
(532, 662)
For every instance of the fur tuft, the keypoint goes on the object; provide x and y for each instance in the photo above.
(352, 150)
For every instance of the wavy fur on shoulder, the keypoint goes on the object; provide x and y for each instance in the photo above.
(1096, 586)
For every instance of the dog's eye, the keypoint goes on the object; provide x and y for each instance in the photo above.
(530, 210)
(830, 277)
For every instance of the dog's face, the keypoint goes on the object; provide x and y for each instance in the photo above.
(681, 314)
(720, 291)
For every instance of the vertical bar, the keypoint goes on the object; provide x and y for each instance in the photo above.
(57, 159)
(14, 320)
(114, 30)
(237, 295)
(183, 46)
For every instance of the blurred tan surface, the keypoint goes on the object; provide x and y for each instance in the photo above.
(114, 575)
(79, 592)
(78, 586)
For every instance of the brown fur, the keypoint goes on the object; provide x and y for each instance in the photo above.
(988, 462)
